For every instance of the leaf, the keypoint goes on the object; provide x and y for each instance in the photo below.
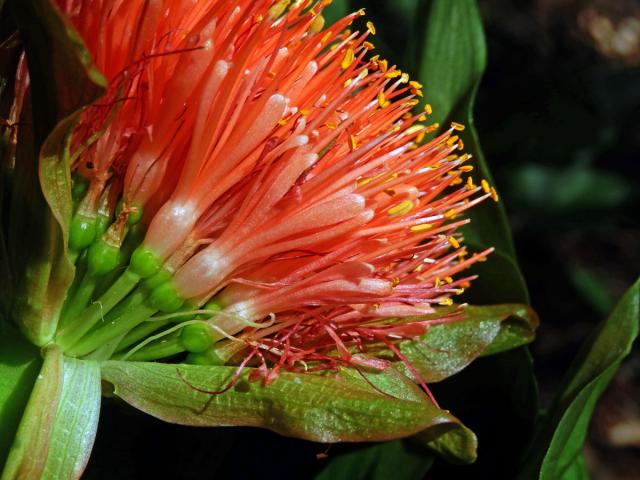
(456, 445)
(324, 408)
(558, 443)
(63, 80)
(449, 347)
(58, 427)
(497, 398)
(397, 460)
(451, 67)
(19, 366)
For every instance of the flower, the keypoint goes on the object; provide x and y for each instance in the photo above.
(256, 187)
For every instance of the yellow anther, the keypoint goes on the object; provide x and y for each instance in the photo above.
(395, 281)
(422, 118)
(384, 65)
(418, 268)
(494, 194)
(382, 100)
(347, 82)
(368, 45)
(460, 145)
(457, 126)
(465, 284)
(414, 84)
(421, 228)
(417, 92)
(478, 258)
(331, 125)
(317, 24)
(450, 213)
(414, 128)
(326, 37)
(437, 282)
(278, 9)
(404, 78)
(428, 110)
(363, 74)
(433, 127)
(393, 176)
(446, 302)
(393, 73)
(485, 186)
(453, 242)
(448, 279)
(348, 59)
(259, 18)
(354, 143)
(401, 208)
(456, 181)
(304, 112)
(363, 181)
(282, 121)
(470, 184)
(462, 255)
(361, 12)
(371, 27)
(452, 140)
(466, 168)
(411, 103)
(421, 136)
(464, 157)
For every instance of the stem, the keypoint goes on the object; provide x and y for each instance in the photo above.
(155, 351)
(81, 269)
(91, 315)
(140, 332)
(132, 312)
(77, 302)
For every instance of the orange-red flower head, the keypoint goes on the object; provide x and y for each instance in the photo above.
(289, 195)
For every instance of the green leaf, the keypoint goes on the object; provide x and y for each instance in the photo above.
(319, 407)
(58, 427)
(398, 460)
(19, 366)
(449, 347)
(558, 444)
(497, 398)
(457, 445)
(451, 67)
(63, 80)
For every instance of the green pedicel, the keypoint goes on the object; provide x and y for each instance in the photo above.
(208, 357)
(167, 347)
(91, 315)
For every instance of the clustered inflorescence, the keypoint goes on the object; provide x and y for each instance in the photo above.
(255, 187)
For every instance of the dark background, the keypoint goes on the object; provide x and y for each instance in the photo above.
(557, 115)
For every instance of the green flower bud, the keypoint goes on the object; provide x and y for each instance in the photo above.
(82, 232)
(208, 357)
(102, 258)
(196, 338)
(166, 298)
(144, 262)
